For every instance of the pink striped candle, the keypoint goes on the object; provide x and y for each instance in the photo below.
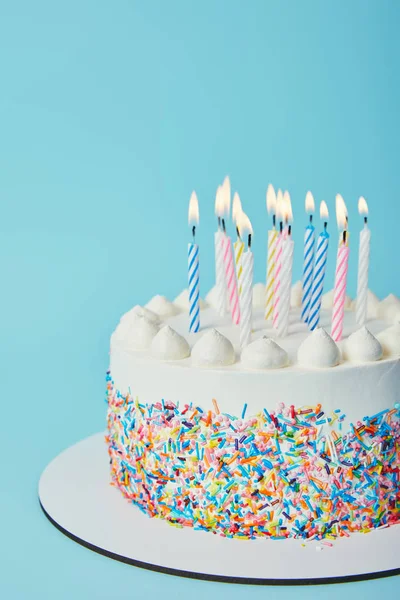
(342, 266)
(230, 277)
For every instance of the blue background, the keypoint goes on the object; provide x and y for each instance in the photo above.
(111, 113)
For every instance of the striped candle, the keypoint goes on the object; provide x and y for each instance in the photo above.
(238, 248)
(194, 288)
(246, 298)
(220, 272)
(308, 261)
(230, 279)
(271, 261)
(342, 265)
(285, 285)
(193, 268)
(318, 280)
(277, 277)
(363, 265)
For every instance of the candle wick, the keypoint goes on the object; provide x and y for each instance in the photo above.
(325, 225)
(281, 226)
(290, 230)
(237, 232)
(194, 233)
(219, 222)
(273, 221)
(344, 236)
(223, 225)
(311, 219)
(365, 219)
(249, 241)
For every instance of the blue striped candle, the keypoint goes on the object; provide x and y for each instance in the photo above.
(193, 268)
(194, 288)
(319, 272)
(308, 262)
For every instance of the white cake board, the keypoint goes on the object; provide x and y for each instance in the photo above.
(76, 496)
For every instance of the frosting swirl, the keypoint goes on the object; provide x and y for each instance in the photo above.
(264, 353)
(167, 344)
(390, 340)
(162, 307)
(318, 350)
(213, 350)
(296, 294)
(139, 333)
(362, 346)
(182, 301)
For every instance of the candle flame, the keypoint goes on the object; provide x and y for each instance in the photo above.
(271, 199)
(362, 206)
(287, 207)
(236, 207)
(244, 225)
(341, 212)
(310, 204)
(193, 209)
(323, 211)
(226, 195)
(219, 204)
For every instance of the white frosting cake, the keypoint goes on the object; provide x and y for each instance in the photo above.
(294, 437)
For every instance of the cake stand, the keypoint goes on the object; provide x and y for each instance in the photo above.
(77, 498)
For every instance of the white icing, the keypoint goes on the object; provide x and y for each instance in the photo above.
(318, 350)
(385, 307)
(138, 334)
(362, 346)
(327, 301)
(259, 295)
(296, 294)
(390, 340)
(213, 350)
(162, 307)
(264, 353)
(392, 313)
(212, 298)
(169, 345)
(139, 311)
(182, 301)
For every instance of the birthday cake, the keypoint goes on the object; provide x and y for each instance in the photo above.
(296, 436)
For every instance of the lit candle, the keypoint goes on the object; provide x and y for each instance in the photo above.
(281, 323)
(229, 264)
(319, 270)
(271, 253)
(238, 246)
(308, 261)
(278, 259)
(193, 268)
(363, 265)
(246, 297)
(342, 265)
(219, 255)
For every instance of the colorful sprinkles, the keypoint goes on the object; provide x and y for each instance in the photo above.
(291, 473)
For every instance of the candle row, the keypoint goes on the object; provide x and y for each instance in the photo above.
(234, 264)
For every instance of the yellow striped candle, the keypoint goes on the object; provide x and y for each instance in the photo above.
(271, 254)
(238, 246)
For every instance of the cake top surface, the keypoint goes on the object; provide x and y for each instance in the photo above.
(217, 345)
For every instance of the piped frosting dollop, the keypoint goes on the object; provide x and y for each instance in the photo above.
(264, 353)
(213, 350)
(390, 340)
(139, 311)
(139, 334)
(387, 307)
(167, 344)
(259, 295)
(362, 346)
(162, 307)
(296, 294)
(182, 301)
(318, 350)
